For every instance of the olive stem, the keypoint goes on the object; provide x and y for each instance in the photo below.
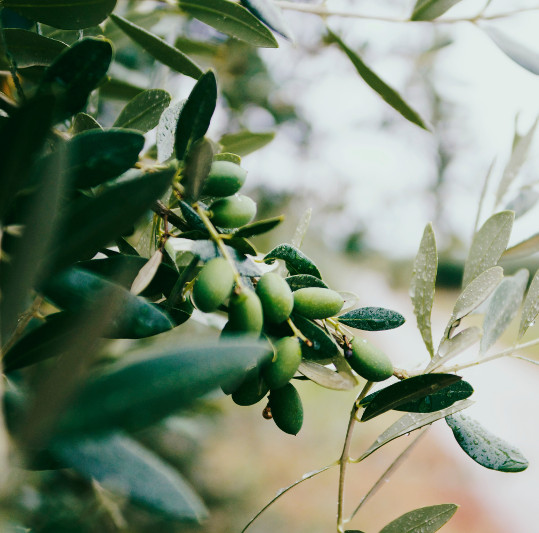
(217, 238)
(345, 456)
(297, 332)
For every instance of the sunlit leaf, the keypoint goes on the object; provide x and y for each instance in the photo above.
(422, 285)
(485, 448)
(424, 520)
(406, 391)
(372, 319)
(245, 142)
(296, 261)
(488, 245)
(232, 19)
(431, 9)
(123, 466)
(392, 97)
(144, 111)
(326, 377)
(525, 248)
(503, 307)
(269, 14)
(520, 54)
(159, 49)
(530, 309)
(166, 131)
(450, 348)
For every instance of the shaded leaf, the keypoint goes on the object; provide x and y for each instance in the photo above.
(260, 227)
(166, 131)
(123, 466)
(325, 377)
(147, 273)
(296, 261)
(144, 111)
(372, 319)
(323, 349)
(270, 15)
(195, 115)
(411, 422)
(197, 167)
(424, 520)
(406, 391)
(503, 307)
(485, 448)
(530, 309)
(519, 53)
(432, 402)
(525, 248)
(488, 245)
(67, 15)
(159, 49)
(158, 381)
(524, 201)
(388, 94)
(453, 346)
(232, 19)
(300, 281)
(84, 122)
(245, 142)
(431, 9)
(422, 285)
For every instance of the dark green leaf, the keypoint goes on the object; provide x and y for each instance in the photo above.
(191, 217)
(67, 15)
(84, 122)
(372, 319)
(405, 391)
(485, 448)
(245, 142)
(119, 89)
(433, 402)
(197, 167)
(143, 112)
(424, 520)
(388, 94)
(270, 15)
(100, 220)
(323, 347)
(159, 49)
(75, 73)
(195, 115)
(76, 289)
(257, 228)
(300, 281)
(120, 464)
(159, 381)
(232, 19)
(431, 9)
(28, 49)
(296, 261)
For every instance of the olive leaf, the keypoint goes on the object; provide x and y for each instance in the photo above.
(451, 347)
(269, 14)
(525, 248)
(245, 142)
(301, 281)
(296, 261)
(424, 520)
(422, 285)
(431, 9)
(259, 227)
(372, 319)
(143, 112)
(530, 309)
(325, 377)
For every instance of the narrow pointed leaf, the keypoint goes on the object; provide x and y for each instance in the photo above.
(245, 142)
(525, 248)
(259, 227)
(296, 261)
(232, 19)
(431, 9)
(195, 115)
(450, 348)
(147, 273)
(388, 94)
(166, 131)
(270, 15)
(372, 319)
(66, 15)
(525, 200)
(423, 283)
(530, 309)
(485, 448)
(300, 281)
(476, 292)
(123, 466)
(323, 349)
(197, 167)
(83, 122)
(144, 111)
(406, 391)
(503, 307)
(424, 520)
(325, 377)
(488, 245)
(520, 54)
(411, 422)
(159, 49)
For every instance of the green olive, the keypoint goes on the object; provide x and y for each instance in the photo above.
(213, 285)
(233, 212)
(369, 361)
(286, 361)
(251, 391)
(286, 409)
(225, 179)
(316, 302)
(276, 297)
(245, 312)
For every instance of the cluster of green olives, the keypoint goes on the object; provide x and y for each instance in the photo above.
(267, 305)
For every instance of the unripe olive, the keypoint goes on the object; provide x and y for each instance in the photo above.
(275, 296)
(233, 212)
(225, 179)
(288, 357)
(287, 409)
(245, 312)
(213, 285)
(369, 361)
(316, 302)
(251, 391)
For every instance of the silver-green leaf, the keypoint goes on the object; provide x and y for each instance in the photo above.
(269, 14)
(326, 377)
(450, 348)
(431, 9)
(245, 142)
(530, 310)
(525, 248)
(424, 520)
